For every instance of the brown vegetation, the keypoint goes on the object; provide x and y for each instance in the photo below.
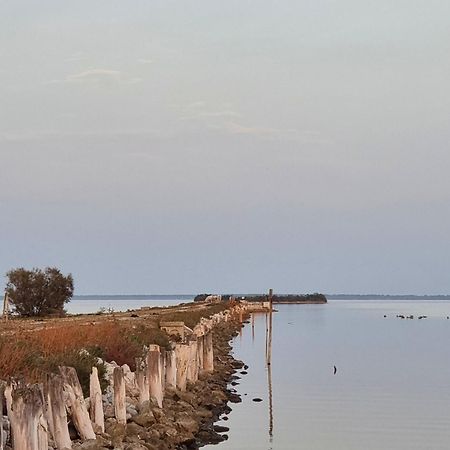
(32, 353)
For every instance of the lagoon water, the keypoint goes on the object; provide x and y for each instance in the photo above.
(391, 390)
(88, 305)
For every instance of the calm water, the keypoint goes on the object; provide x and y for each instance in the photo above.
(93, 305)
(391, 390)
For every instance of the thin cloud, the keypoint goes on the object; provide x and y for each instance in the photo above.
(94, 76)
(77, 56)
(99, 76)
(145, 61)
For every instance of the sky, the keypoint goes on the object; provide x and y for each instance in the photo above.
(210, 146)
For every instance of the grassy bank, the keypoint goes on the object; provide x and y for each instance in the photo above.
(31, 350)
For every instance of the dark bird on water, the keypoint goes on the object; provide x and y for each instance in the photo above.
(335, 370)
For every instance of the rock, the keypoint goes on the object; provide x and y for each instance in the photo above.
(116, 431)
(109, 412)
(145, 419)
(237, 364)
(187, 423)
(234, 398)
(209, 437)
(220, 428)
(257, 399)
(131, 410)
(133, 429)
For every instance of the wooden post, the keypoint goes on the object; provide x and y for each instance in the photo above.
(57, 412)
(2, 431)
(269, 345)
(163, 367)
(47, 410)
(253, 327)
(182, 358)
(171, 369)
(75, 403)
(200, 341)
(28, 424)
(154, 374)
(208, 355)
(120, 410)
(96, 402)
(142, 381)
(192, 369)
(5, 307)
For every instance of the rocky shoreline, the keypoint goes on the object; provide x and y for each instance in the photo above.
(187, 419)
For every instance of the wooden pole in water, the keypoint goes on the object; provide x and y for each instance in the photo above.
(269, 345)
(269, 364)
(269, 382)
(253, 327)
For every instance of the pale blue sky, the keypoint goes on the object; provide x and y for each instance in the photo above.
(162, 146)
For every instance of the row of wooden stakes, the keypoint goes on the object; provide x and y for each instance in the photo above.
(39, 412)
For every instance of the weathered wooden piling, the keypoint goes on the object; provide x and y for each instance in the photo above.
(182, 359)
(76, 404)
(57, 421)
(200, 341)
(192, 367)
(163, 367)
(154, 374)
(26, 415)
(120, 410)
(142, 381)
(208, 355)
(96, 402)
(2, 404)
(171, 369)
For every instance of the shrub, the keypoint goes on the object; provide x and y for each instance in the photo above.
(39, 293)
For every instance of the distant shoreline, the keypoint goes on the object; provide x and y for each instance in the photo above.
(133, 297)
(189, 297)
(385, 297)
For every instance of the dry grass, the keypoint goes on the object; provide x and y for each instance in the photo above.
(31, 350)
(191, 317)
(33, 354)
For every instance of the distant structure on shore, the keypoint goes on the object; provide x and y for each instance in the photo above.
(288, 298)
(386, 297)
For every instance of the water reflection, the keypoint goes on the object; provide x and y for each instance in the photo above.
(392, 388)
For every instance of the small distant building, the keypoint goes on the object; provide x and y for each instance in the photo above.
(176, 329)
(213, 299)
